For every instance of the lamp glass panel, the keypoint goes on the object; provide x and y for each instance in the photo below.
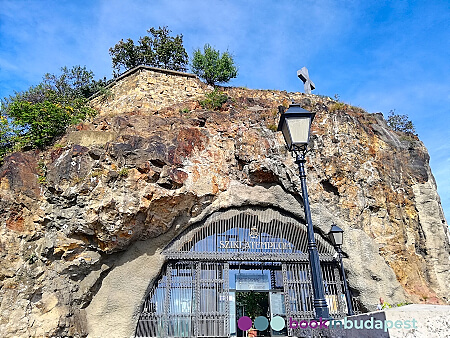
(299, 129)
(338, 238)
(286, 134)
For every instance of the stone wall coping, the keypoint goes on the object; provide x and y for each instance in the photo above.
(155, 69)
(144, 67)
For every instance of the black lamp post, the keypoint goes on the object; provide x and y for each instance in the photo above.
(336, 236)
(295, 124)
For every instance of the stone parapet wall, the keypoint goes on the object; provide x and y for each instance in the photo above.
(148, 88)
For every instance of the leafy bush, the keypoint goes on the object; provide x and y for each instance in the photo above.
(213, 67)
(158, 50)
(33, 118)
(6, 136)
(400, 123)
(39, 122)
(214, 100)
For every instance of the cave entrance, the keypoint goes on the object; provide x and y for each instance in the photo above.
(238, 262)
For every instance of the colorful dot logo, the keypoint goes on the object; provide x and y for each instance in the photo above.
(277, 323)
(245, 323)
(261, 323)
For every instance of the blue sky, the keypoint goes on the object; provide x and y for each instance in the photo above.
(379, 55)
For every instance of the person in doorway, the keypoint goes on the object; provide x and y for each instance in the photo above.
(380, 304)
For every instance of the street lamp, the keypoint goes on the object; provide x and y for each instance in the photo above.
(295, 124)
(336, 236)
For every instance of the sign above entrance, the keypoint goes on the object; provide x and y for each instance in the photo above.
(252, 282)
(250, 233)
(244, 245)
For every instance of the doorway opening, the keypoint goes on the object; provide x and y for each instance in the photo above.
(257, 294)
(253, 304)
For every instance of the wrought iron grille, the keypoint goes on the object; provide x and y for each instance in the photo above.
(251, 233)
(192, 296)
(189, 300)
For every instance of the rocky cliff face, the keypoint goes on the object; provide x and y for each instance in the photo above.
(83, 223)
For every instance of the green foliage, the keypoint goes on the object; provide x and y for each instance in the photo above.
(32, 258)
(386, 305)
(338, 106)
(185, 111)
(33, 118)
(7, 136)
(123, 172)
(402, 304)
(400, 123)
(97, 173)
(214, 100)
(253, 302)
(74, 82)
(273, 127)
(42, 172)
(125, 55)
(105, 94)
(41, 166)
(58, 146)
(213, 67)
(39, 122)
(42, 180)
(158, 50)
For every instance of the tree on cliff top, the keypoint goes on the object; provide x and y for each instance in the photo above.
(158, 50)
(400, 123)
(213, 67)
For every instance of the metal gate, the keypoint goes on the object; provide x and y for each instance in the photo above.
(191, 298)
(299, 301)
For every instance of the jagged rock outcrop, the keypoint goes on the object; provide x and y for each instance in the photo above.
(83, 223)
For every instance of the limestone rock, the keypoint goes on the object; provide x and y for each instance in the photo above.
(83, 225)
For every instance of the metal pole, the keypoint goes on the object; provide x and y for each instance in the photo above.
(347, 291)
(320, 304)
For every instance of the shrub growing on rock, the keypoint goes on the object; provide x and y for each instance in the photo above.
(33, 118)
(214, 100)
(400, 123)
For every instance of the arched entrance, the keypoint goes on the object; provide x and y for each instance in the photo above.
(218, 269)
